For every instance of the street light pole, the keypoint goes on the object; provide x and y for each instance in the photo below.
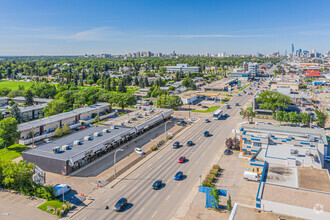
(165, 128)
(115, 162)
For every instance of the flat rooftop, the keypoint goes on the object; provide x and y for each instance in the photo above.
(282, 175)
(314, 179)
(244, 212)
(32, 107)
(296, 197)
(46, 150)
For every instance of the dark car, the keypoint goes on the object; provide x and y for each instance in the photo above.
(120, 204)
(77, 128)
(178, 175)
(199, 104)
(227, 152)
(206, 133)
(228, 106)
(237, 104)
(204, 106)
(176, 144)
(190, 143)
(207, 120)
(157, 184)
(226, 115)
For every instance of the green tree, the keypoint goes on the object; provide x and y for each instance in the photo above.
(66, 129)
(171, 88)
(248, 113)
(16, 113)
(90, 80)
(113, 84)
(322, 118)
(273, 100)
(8, 131)
(136, 81)
(108, 84)
(305, 118)
(55, 107)
(294, 117)
(29, 98)
(58, 131)
(229, 205)
(121, 86)
(97, 119)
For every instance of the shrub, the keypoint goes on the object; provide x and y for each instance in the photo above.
(153, 148)
(214, 171)
(229, 205)
(216, 166)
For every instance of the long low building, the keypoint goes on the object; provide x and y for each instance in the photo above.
(46, 126)
(33, 111)
(67, 154)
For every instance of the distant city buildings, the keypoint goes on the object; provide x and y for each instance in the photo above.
(183, 68)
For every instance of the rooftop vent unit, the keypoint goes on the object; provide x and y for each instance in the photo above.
(106, 130)
(270, 135)
(56, 150)
(294, 152)
(115, 126)
(139, 116)
(127, 121)
(311, 139)
(144, 114)
(290, 137)
(88, 138)
(77, 142)
(65, 147)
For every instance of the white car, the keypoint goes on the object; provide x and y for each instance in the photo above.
(139, 151)
(48, 140)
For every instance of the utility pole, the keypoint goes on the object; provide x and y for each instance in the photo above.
(115, 162)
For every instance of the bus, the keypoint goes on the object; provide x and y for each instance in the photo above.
(217, 114)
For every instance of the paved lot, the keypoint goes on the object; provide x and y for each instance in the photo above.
(19, 206)
(231, 179)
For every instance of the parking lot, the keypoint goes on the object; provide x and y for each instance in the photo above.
(231, 179)
(19, 206)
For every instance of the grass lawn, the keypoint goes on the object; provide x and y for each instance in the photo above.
(211, 109)
(53, 203)
(244, 87)
(12, 151)
(14, 84)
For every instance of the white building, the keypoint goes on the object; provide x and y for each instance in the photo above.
(183, 68)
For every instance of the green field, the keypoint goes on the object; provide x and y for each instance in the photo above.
(14, 84)
(12, 151)
(211, 109)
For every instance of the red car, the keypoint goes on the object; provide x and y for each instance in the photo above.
(83, 127)
(182, 159)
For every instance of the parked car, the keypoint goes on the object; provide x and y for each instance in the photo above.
(77, 128)
(139, 151)
(190, 143)
(178, 175)
(120, 204)
(182, 160)
(239, 94)
(228, 106)
(227, 152)
(157, 184)
(48, 140)
(206, 133)
(176, 144)
(204, 106)
(60, 189)
(226, 115)
(199, 104)
(207, 120)
(237, 104)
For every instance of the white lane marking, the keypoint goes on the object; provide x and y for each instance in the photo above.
(160, 157)
(140, 211)
(179, 183)
(137, 175)
(154, 214)
(168, 197)
(106, 201)
(188, 171)
(150, 165)
(122, 187)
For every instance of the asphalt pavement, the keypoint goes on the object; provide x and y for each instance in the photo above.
(145, 203)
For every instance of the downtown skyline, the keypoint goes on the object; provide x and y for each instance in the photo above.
(188, 27)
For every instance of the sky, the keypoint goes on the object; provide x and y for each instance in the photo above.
(77, 27)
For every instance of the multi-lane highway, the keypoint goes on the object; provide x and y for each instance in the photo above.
(145, 203)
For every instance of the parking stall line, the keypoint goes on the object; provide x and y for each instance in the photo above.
(10, 196)
(105, 201)
(20, 196)
(5, 193)
(140, 211)
(25, 199)
(154, 214)
(150, 165)
(168, 197)
(30, 204)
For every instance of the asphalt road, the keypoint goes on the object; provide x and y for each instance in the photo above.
(145, 203)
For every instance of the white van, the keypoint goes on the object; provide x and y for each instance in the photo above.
(251, 176)
(60, 189)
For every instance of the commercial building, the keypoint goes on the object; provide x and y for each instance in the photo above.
(291, 145)
(21, 100)
(240, 74)
(67, 154)
(183, 68)
(284, 82)
(45, 127)
(253, 68)
(188, 97)
(221, 85)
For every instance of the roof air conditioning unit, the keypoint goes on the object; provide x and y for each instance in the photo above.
(294, 151)
(56, 149)
(127, 121)
(270, 135)
(311, 139)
